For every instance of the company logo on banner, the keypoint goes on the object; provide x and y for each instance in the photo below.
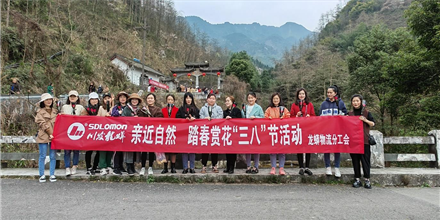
(76, 131)
(336, 134)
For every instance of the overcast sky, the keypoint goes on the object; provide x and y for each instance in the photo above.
(266, 12)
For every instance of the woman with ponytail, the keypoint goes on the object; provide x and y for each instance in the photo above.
(333, 106)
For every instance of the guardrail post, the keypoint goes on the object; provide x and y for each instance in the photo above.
(377, 151)
(435, 148)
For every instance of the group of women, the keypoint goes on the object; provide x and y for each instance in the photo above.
(132, 106)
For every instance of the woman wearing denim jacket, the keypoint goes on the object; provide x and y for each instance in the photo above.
(252, 111)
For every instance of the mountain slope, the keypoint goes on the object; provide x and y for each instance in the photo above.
(263, 42)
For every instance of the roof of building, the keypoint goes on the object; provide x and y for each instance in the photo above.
(197, 64)
(182, 70)
(135, 64)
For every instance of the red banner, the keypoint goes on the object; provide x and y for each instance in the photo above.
(343, 134)
(158, 84)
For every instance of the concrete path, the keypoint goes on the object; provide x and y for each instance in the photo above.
(29, 199)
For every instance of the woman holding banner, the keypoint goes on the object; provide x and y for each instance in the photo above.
(303, 108)
(210, 111)
(252, 111)
(333, 106)
(150, 111)
(45, 119)
(190, 112)
(357, 159)
(133, 106)
(92, 109)
(276, 110)
(72, 107)
(105, 157)
(231, 111)
(116, 111)
(170, 112)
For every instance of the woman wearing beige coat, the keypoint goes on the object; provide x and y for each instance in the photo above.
(45, 119)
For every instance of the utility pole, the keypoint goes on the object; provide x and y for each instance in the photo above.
(7, 13)
(144, 46)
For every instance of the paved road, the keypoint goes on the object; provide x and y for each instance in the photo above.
(29, 199)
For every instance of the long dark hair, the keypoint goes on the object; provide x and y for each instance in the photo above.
(76, 103)
(335, 89)
(271, 100)
(306, 99)
(42, 105)
(360, 98)
(192, 105)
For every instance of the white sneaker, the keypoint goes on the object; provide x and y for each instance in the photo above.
(42, 179)
(52, 178)
(150, 171)
(74, 170)
(328, 171)
(103, 172)
(337, 173)
(142, 172)
(68, 173)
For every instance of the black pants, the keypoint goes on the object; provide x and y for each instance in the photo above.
(89, 160)
(301, 160)
(118, 160)
(151, 158)
(357, 159)
(214, 159)
(230, 161)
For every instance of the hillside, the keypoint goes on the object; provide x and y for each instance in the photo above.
(265, 43)
(85, 34)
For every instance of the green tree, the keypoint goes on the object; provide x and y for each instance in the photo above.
(241, 66)
(369, 65)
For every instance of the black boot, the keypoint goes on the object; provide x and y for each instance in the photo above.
(165, 168)
(130, 169)
(173, 168)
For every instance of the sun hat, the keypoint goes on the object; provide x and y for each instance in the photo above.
(73, 92)
(45, 96)
(135, 96)
(93, 95)
(122, 93)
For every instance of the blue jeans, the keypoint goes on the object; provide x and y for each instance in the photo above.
(67, 158)
(273, 160)
(337, 159)
(43, 151)
(192, 158)
(256, 160)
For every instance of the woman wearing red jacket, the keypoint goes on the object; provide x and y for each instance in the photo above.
(170, 112)
(302, 108)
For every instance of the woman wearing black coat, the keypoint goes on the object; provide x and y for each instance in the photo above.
(189, 111)
(231, 111)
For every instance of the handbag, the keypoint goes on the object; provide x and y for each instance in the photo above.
(371, 140)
